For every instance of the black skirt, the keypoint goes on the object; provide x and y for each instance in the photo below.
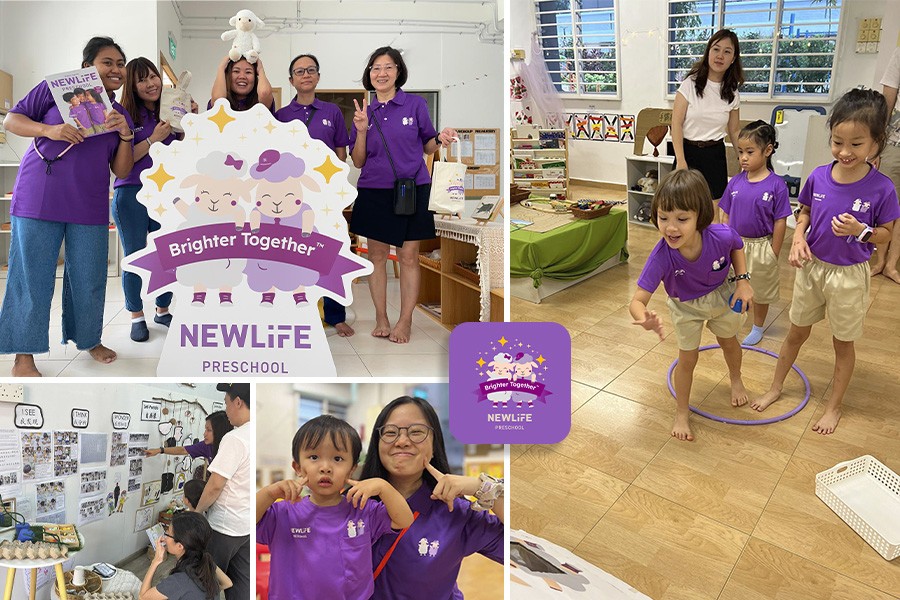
(709, 160)
(373, 217)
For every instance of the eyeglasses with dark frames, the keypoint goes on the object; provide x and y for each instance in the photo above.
(417, 433)
(299, 71)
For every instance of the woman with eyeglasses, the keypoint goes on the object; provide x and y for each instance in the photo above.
(195, 575)
(325, 122)
(407, 450)
(387, 142)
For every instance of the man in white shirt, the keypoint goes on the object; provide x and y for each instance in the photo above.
(227, 493)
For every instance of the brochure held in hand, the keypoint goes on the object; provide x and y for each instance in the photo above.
(81, 99)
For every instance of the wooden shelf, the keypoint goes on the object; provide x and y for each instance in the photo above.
(636, 167)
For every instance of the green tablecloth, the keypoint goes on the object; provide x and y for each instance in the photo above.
(570, 251)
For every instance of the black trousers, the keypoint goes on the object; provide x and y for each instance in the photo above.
(232, 555)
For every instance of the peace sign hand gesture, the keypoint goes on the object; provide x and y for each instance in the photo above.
(361, 116)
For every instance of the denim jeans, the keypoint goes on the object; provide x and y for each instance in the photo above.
(33, 251)
(133, 224)
(334, 311)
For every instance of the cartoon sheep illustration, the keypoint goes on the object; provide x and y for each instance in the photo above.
(423, 547)
(524, 364)
(218, 188)
(280, 180)
(433, 549)
(351, 529)
(502, 368)
(360, 527)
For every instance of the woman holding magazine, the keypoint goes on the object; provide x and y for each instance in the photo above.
(62, 194)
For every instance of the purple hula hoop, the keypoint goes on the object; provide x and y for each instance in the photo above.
(713, 417)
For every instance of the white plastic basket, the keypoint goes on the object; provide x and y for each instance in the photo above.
(866, 495)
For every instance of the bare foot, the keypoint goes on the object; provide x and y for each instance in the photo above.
(102, 354)
(828, 422)
(763, 402)
(893, 275)
(681, 429)
(400, 332)
(24, 366)
(344, 330)
(382, 328)
(876, 268)
(738, 393)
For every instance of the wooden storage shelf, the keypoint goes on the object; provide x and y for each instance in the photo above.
(497, 308)
(549, 147)
(636, 167)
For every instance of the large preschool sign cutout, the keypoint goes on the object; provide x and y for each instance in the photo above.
(252, 235)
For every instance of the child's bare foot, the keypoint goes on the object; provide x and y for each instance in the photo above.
(344, 330)
(681, 429)
(24, 366)
(877, 267)
(382, 328)
(892, 274)
(738, 393)
(763, 402)
(102, 354)
(400, 332)
(828, 422)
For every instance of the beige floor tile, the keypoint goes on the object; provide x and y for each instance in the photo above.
(578, 495)
(766, 572)
(596, 361)
(664, 550)
(581, 393)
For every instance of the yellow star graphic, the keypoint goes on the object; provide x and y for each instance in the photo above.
(337, 226)
(342, 193)
(328, 169)
(160, 210)
(326, 210)
(305, 145)
(503, 341)
(294, 130)
(148, 195)
(189, 123)
(160, 178)
(270, 127)
(480, 362)
(540, 359)
(242, 137)
(197, 139)
(221, 119)
(174, 151)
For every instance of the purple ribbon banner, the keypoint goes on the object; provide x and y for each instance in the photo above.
(276, 243)
(524, 387)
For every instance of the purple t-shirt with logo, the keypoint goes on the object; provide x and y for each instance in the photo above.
(322, 551)
(200, 450)
(686, 280)
(141, 133)
(407, 128)
(77, 188)
(325, 123)
(872, 200)
(426, 562)
(81, 116)
(97, 111)
(753, 207)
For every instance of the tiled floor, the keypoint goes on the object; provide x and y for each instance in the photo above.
(358, 356)
(733, 515)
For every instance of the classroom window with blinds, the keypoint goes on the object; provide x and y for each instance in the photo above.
(580, 46)
(311, 407)
(787, 46)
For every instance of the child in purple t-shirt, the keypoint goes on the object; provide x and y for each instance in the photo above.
(78, 112)
(756, 205)
(96, 110)
(692, 261)
(321, 544)
(848, 206)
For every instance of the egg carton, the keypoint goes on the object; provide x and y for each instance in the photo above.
(16, 550)
(108, 596)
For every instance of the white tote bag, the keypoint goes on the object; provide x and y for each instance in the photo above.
(175, 102)
(448, 192)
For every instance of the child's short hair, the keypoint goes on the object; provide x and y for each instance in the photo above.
(685, 189)
(762, 134)
(193, 490)
(314, 431)
(866, 107)
(67, 97)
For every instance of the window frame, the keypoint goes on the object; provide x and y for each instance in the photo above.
(617, 41)
(777, 26)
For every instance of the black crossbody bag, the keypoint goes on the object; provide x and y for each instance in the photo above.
(405, 188)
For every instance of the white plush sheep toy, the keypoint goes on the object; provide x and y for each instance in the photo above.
(245, 42)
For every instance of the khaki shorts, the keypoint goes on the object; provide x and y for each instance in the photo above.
(840, 291)
(688, 317)
(763, 267)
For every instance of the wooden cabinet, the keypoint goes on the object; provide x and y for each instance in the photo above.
(541, 164)
(8, 171)
(637, 167)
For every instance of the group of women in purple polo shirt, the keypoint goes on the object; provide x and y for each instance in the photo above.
(62, 191)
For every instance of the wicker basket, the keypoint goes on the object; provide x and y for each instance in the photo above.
(429, 262)
(466, 273)
(92, 584)
(866, 495)
(517, 194)
(579, 213)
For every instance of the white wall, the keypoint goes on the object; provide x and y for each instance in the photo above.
(40, 38)
(643, 74)
(110, 539)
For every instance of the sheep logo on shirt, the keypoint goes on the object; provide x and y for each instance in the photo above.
(767, 197)
(860, 206)
(426, 549)
(351, 529)
(355, 529)
(720, 264)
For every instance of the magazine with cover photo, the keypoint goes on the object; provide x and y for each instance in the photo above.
(81, 99)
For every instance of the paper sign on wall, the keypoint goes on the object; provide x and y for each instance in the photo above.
(150, 410)
(251, 236)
